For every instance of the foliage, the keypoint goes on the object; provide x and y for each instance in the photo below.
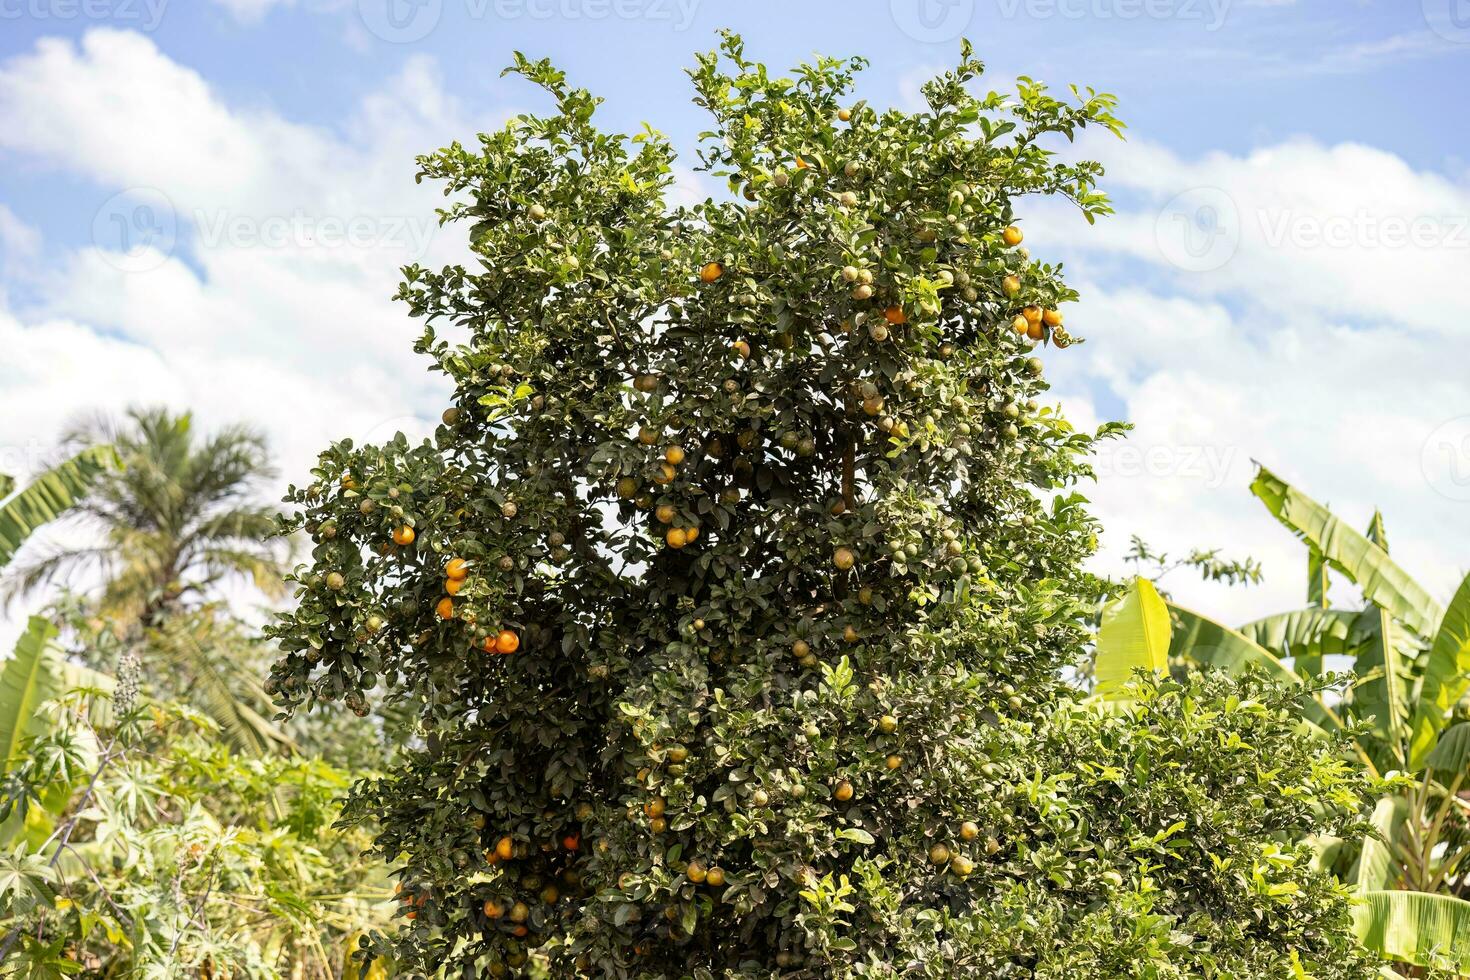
(48, 497)
(163, 852)
(1412, 661)
(734, 594)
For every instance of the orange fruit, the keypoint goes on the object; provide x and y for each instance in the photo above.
(1052, 318)
(844, 558)
(505, 848)
(843, 791)
(1012, 236)
(711, 271)
(457, 568)
(403, 535)
(1032, 314)
(445, 608)
(715, 878)
(1035, 331)
(453, 585)
(506, 641)
(493, 909)
(676, 537)
(665, 513)
(1019, 324)
(895, 315)
(572, 842)
(655, 807)
(674, 454)
(690, 533)
(1010, 285)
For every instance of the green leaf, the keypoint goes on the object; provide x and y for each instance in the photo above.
(1306, 636)
(1365, 563)
(49, 496)
(1415, 927)
(1207, 642)
(1375, 868)
(1134, 636)
(1446, 676)
(1380, 692)
(1451, 753)
(36, 673)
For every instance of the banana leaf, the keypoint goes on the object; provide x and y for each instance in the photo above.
(1383, 582)
(1134, 636)
(1446, 676)
(1415, 927)
(49, 496)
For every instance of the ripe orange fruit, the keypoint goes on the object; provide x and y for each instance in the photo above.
(844, 114)
(1019, 324)
(403, 535)
(676, 537)
(505, 848)
(1032, 314)
(453, 585)
(715, 878)
(457, 568)
(665, 513)
(493, 909)
(690, 533)
(842, 791)
(674, 454)
(711, 271)
(1012, 236)
(696, 872)
(969, 830)
(741, 349)
(893, 762)
(572, 842)
(1035, 331)
(1052, 318)
(666, 474)
(445, 608)
(895, 315)
(506, 641)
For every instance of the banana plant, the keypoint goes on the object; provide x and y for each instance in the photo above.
(1411, 661)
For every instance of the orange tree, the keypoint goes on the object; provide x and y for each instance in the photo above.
(734, 592)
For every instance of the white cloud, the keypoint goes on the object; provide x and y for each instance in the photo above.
(1335, 363)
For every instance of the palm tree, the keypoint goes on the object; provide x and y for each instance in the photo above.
(169, 533)
(178, 522)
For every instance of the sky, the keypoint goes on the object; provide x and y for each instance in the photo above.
(205, 204)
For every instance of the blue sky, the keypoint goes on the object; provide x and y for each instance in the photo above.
(1283, 281)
